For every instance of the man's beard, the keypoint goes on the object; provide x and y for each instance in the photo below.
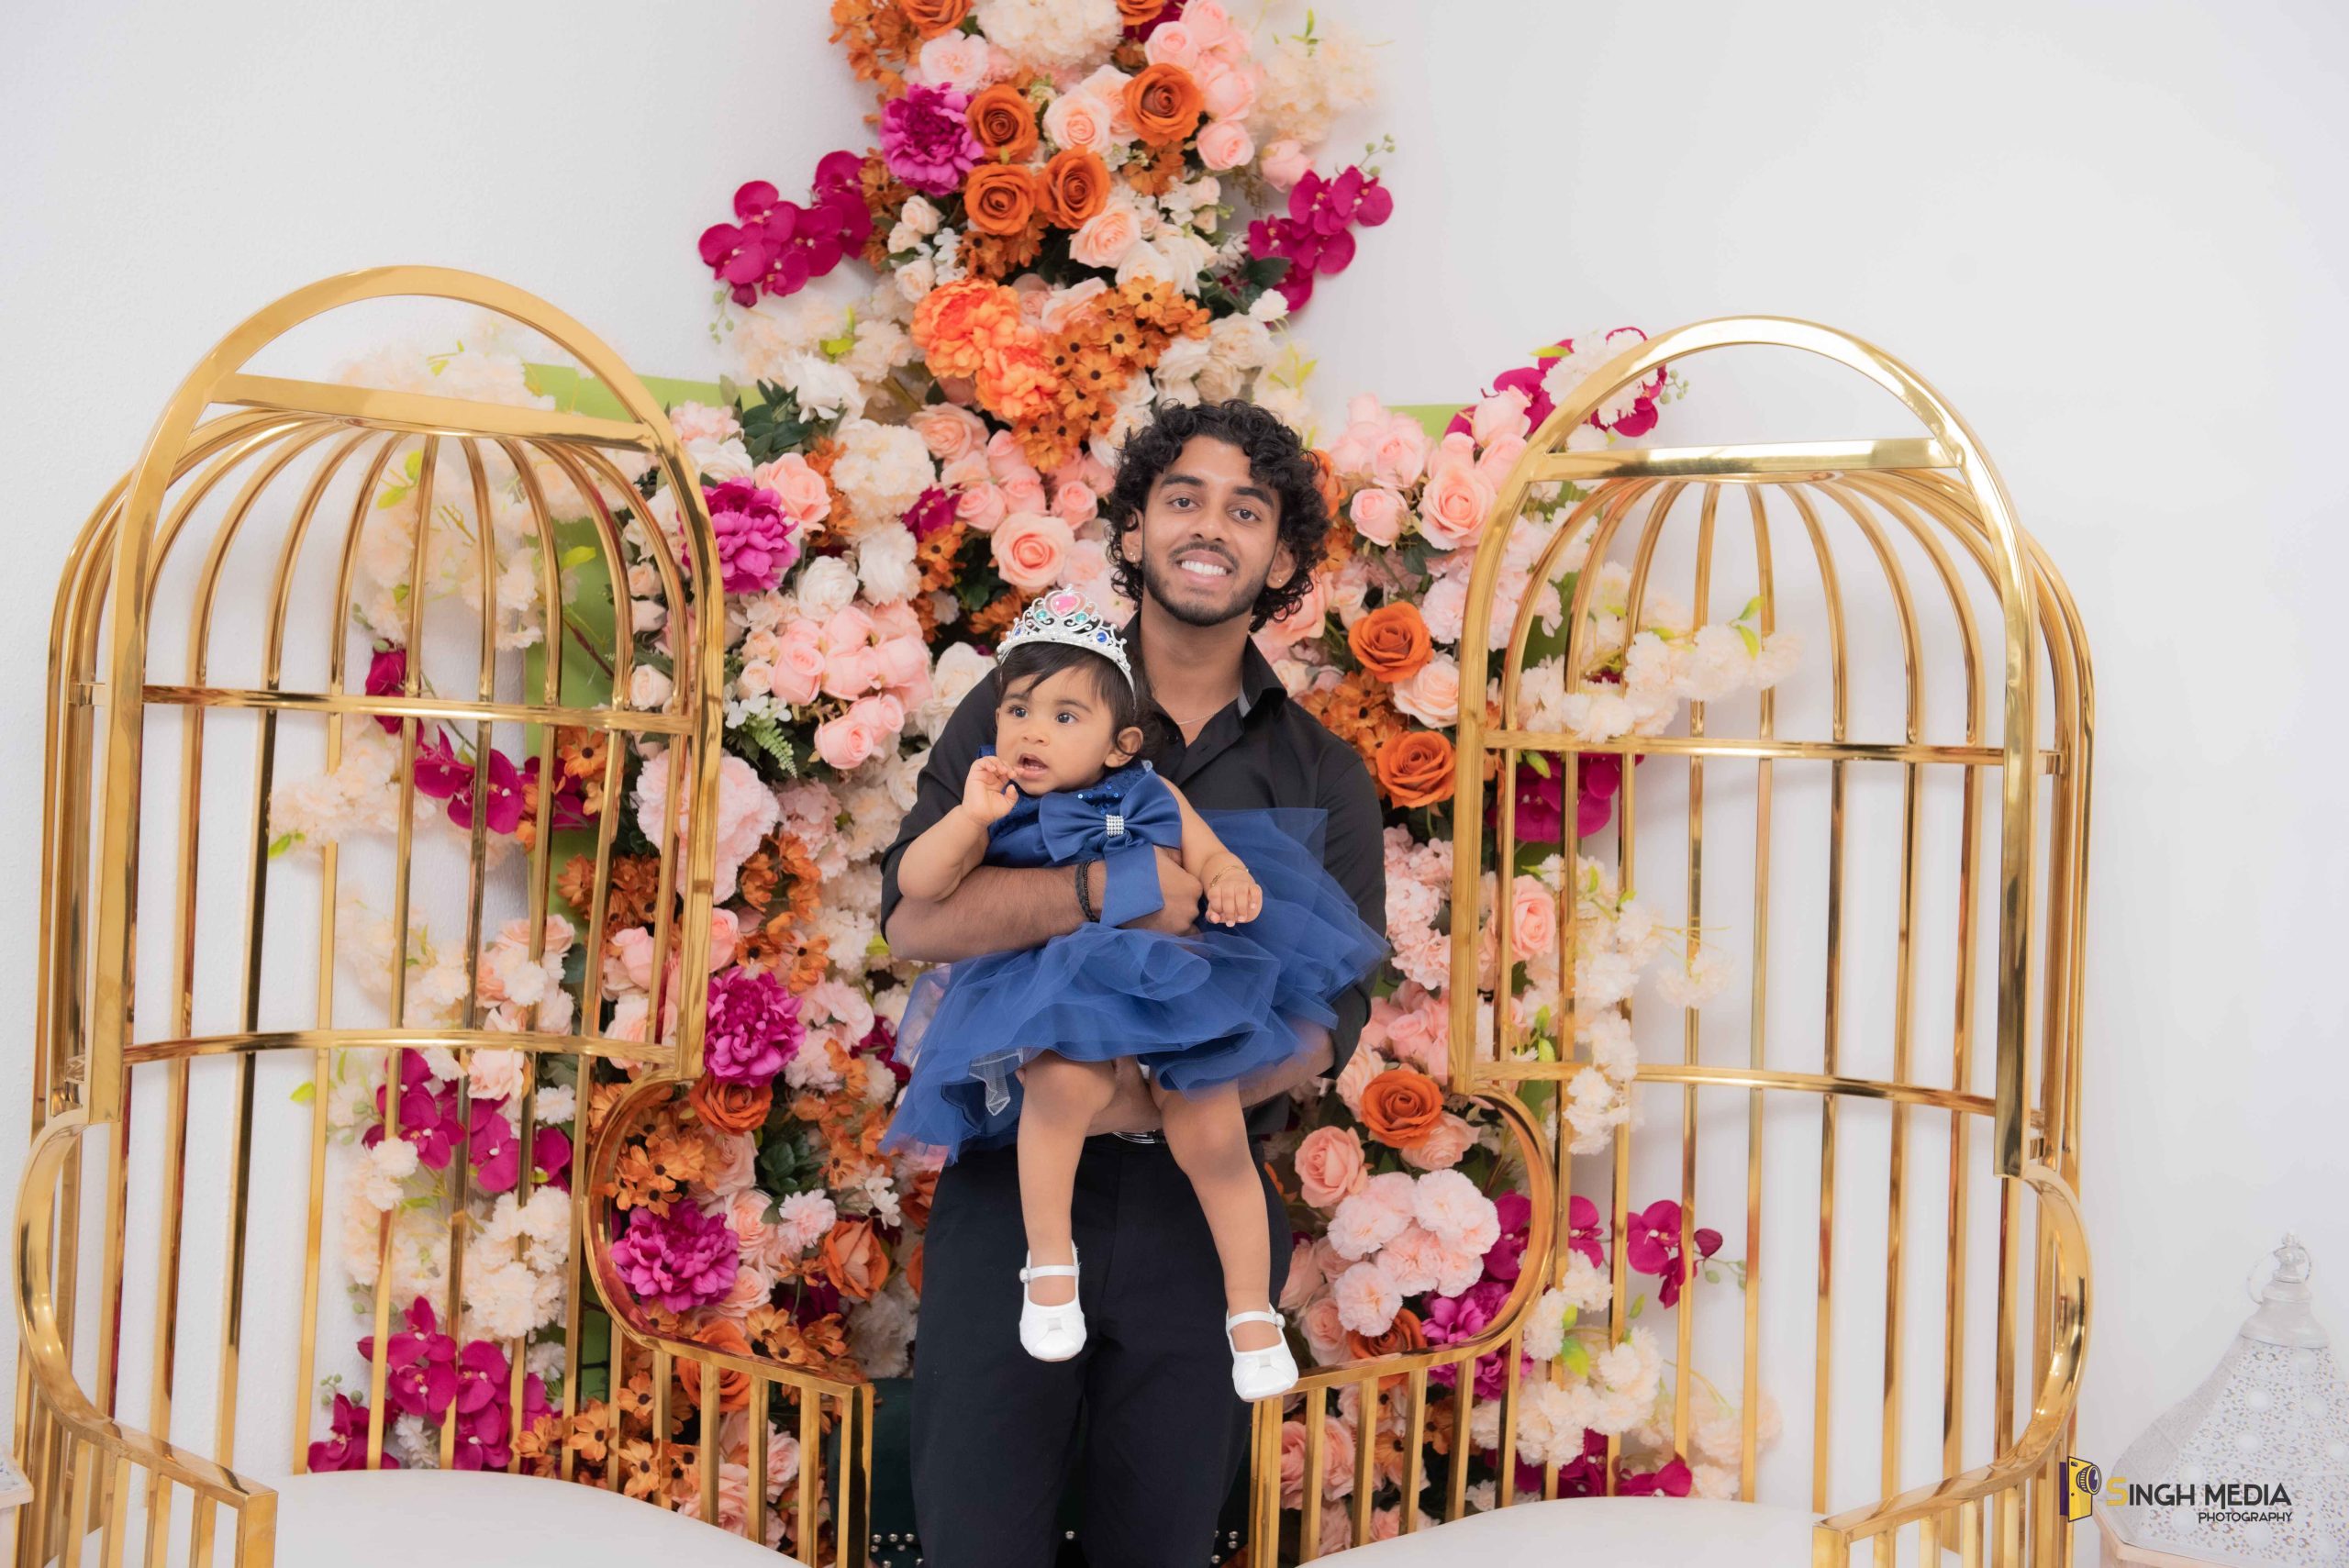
(1165, 584)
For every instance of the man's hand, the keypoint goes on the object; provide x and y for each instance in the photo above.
(1131, 1108)
(1178, 915)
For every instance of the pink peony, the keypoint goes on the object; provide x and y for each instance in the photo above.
(1412, 1260)
(678, 1261)
(1329, 1166)
(752, 1026)
(1448, 1203)
(1367, 1299)
(926, 139)
(754, 543)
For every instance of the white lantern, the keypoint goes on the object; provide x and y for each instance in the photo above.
(2251, 1469)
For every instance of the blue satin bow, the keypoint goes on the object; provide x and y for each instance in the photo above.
(1123, 834)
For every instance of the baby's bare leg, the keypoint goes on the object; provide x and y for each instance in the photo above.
(1059, 1100)
(1208, 1135)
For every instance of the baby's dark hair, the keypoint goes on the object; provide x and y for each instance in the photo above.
(1032, 661)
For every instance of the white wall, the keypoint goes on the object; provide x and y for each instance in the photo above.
(2098, 229)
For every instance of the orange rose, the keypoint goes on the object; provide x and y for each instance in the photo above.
(1415, 768)
(1140, 13)
(1392, 642)
(1402, 1334)
(1164, 105)
(999, 198)
(914, 1202)
(733, 1108)
(913, 1269)
(1004, 122)
(1325, 480)
(853, 1260)
(932, 18)
(1076, 186)
(733, 1386)
(1400, 1107)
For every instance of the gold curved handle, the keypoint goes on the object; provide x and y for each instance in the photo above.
(53, 1365)
(2052, 1412)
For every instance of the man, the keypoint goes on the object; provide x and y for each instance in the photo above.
(1217, 526)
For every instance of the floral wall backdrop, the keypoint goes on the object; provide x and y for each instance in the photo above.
(1064, 211)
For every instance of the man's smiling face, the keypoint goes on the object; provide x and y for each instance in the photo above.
(1209, 536)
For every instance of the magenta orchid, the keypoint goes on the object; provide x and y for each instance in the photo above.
(778, 247)
(1651, 1246)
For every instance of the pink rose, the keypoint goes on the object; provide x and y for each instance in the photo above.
(1453, 507)
(1211, 26)
(1377, 514)
(1006, 461)
(1029, 548)
(805, 496)
(797, 671)
(1087, 568)
(1301, 623)
(1325, 1332)
(1421, 1037)
(971, 468)
(1401, 453)
(628, 960)
(725, 932)
(1284, 163)
(981, 506)
(1088, 471)
(1292, 1465)
(1500, 457)
(1503, 413)
(1443, 1146)
(903, 663)
(948, 431)
(1106, 238)
(1431, 696)
(1533, 920)
(1172, 43)
(1025, 492)
(956, 60)
(1305, 1277)
(1075, 502)
(1329, 1166)
(842, 742)
(1226, 144)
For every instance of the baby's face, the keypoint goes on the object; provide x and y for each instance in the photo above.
(1055, 733)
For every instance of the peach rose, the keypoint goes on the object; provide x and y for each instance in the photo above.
(1453, 505)
(1004, 121)
(1226, 144)
(1532, 918)
(1075, 502)
(1443, 1146)
(1080, 122)
(1391, 641)
(1292, 1463)
(725, 1335)
(1400, 1107)
(1029, 548)
(853, 1260)
(1164, 103)
(981, 506)
(1285, 162)
(1377, 514)
(1302, 621)
(1305, 1277)
(628, 960)
(1106, 237)
(1402, 1334)
(999, 198)
(949, 432)
(1228, 92)
(1357, 1074)
(1173, 43)
(1415, 768)
(805, 498)
(1432, 694)
(1064, 307)
(1076, 187)
(1330, 1166)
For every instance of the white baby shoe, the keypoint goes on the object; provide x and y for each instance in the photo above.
(1260, 1374)
(1050, 1333)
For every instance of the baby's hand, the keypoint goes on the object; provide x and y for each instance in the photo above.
(1233, 898)
(988, 792)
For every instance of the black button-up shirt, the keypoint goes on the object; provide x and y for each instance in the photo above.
(1261, 750)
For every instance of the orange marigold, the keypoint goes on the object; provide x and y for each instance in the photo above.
(958, 326)
(1017, 385)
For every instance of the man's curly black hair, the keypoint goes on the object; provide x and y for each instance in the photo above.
(1277, 458)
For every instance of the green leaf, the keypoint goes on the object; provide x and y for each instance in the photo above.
(579, 555)
(1538, 763)
(1639, 1304)
(594, 1382)
(1751, 606)
(594, 1337)
(282, 843)
(763, 732)
(304, 1093)
(1577, 1356)
(1752, 638)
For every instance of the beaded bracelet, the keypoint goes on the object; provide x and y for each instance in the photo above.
(1085, 891)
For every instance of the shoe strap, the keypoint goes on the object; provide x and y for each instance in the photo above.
(1239, 1318)
(1049, 1271)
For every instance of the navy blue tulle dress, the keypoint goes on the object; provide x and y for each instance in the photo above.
(1197, 1010)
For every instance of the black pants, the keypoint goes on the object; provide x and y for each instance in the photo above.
(994, 1430)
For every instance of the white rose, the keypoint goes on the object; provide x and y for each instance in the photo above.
(826, 585)
(884, 562)
(647, 688)
(824, 389)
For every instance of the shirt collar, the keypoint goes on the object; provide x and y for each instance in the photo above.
(1259, 683)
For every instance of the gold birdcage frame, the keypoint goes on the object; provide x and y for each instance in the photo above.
(275, 450)
(1937, 497)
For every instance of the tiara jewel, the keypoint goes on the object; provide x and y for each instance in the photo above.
(1064, 616)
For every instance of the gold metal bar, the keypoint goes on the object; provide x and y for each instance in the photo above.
(1367, 1420)
(755, 1526)
(423, 414)
(1415, 1438)
(2048, 761)
(804, 1538)
(1684, 1320)
(1316, 1441)
(1800, 459)
(1757, 1022)
(625, 721)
